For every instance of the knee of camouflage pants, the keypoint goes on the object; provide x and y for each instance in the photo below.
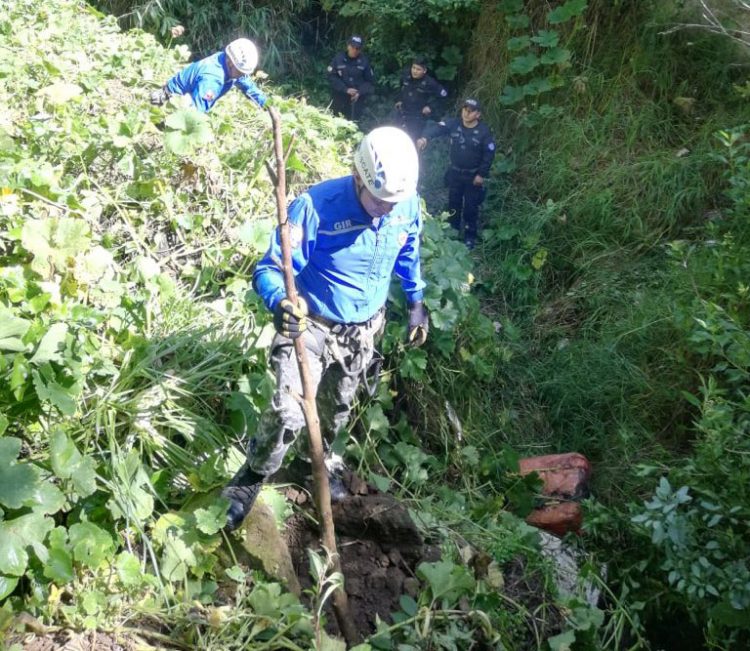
(282, 422)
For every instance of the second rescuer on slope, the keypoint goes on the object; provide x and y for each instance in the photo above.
(209, 79)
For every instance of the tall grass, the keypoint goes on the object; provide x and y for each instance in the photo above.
(276, 27)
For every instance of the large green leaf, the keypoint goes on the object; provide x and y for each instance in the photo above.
(555, 56)
(562, 642)
(7, 585)
(71, 237)
(55, 243)
(94, 265)
(68, 463)
(211, 520)
(177, 558)
(537, 86)
(524, 64)
(256, 233)
(49, 389)
(570, 9)
(50, 345)
(190, 129)
(59, 566)
(61, 92)
(510, 6)
(13, 555)
(446, 580)
(91, 544)
(36, 236)
(12, 329)
(517, 43)
(512, 95)
(128, 569)
(546, 38)
(46, 498)
(17, 480)
(18, 534)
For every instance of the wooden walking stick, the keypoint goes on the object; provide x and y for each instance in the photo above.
(320, 476)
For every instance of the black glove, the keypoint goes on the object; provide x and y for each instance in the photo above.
(290, 320)
(419, 324)
(159, 97)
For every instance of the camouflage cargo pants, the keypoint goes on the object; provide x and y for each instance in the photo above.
(338, 357)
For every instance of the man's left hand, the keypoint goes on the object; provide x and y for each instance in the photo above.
(419, 324)
(478, 180)
(159, 97)
(426, 111)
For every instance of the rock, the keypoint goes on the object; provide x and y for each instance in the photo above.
(394, 581)
(267, 549)
(567, 562)
(411, 586)
(355, 484)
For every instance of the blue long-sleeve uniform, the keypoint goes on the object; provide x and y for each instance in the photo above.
(208, 79)
(342, 261)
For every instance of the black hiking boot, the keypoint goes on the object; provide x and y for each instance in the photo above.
(335, 469)
(338, 489)
(241, 492)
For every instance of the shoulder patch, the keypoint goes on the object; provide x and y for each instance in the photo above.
(295, 235)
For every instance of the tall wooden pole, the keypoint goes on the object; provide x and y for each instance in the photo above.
(320, 476)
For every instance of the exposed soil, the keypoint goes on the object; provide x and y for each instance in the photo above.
(379, 546)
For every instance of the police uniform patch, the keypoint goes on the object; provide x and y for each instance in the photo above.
(295, 235)
(402, 237)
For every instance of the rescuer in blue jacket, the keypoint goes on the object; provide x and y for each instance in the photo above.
(421, 97)
(348, 237)
(210, 78)
(472, 151)
(351, 79)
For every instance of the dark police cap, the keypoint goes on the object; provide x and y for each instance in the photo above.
(472, 104)
(356, 41)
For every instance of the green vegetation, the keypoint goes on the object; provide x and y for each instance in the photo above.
(606, 312)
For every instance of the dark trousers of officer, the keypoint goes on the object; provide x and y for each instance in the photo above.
(342, 105)
(337, 358)
(464, 199)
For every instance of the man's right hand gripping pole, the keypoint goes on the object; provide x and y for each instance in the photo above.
(290, 320)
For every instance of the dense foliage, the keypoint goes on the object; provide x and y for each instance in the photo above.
(605, 312)
(618, 252)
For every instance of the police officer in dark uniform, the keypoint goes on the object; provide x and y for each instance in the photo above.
(421, 97)
(472, 151)
(351, 79)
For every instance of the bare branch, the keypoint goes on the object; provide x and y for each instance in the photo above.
(724, 19)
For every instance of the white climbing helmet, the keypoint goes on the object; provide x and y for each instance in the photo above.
(243, 54)
(387, 163)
